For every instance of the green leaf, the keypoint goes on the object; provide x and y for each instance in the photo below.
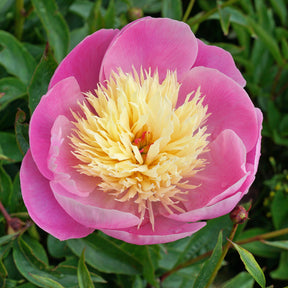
(281, 272)
(280, 7)
(21, 131)
(172, 9)
(251, 265)
(6, 186)
(9, 148)
(15, 58)
(279, 210)
(47, 282)
(209, 266)
(278, 244)
(41, 78)
(110, 15)
(55, 26)
(242, 280)
(104, 255)
(267, 39)
(224, 18)
(57, 248)
(84, 277)
(7, 238)
(11, 89)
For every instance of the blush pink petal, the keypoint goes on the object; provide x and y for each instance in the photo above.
(166, 230)
(87, 210)
(62, 162)
(154, 43)
(228, 103)
(209, 212)
(58, 101)
(42, 205)
(84, 61)
(223, 174)
(217, 58)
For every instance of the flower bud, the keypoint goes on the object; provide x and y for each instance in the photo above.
(239, 215)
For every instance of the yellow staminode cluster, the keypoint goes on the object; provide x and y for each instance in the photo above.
(138, 143)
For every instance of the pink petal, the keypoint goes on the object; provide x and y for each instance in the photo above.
(58, 101)
(154, 43)
(42, 206)
(84, 61)
(209, 212)
(228, 103)
(224, 174)
(61, 161)
(88, 210)
(217, 58)
(166, 230)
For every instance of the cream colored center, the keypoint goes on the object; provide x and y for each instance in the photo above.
(134, 138)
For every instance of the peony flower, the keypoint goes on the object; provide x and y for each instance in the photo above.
(144, 134)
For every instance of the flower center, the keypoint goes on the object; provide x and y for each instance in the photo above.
(138, 143)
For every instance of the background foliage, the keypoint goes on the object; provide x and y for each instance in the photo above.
(35, 35)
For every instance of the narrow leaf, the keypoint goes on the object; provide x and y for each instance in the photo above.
(84, 277)
(55, 26)
(209, 266)
(251, 265)
(47, 282)
(172, 9)
(21, 131)
(281, 271)
(242, 280)
(15, 58)
(278, 244)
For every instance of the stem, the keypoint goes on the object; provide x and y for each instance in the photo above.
(188, 10)
(210, 12)
(19, 21)
(263, 236)
(4, 212)
(224, 252)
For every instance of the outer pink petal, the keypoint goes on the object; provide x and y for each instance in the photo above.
(228, 103)
(166, 230)
(218, 58)
(209, 212)
(224, 174)
(61, 161)
(58, 101)
(154, 43)
(42, 206)
(88, 211)
(84, 61)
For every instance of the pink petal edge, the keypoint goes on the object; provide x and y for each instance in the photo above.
(43, 207)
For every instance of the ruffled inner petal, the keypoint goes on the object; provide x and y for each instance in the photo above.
(62, 162)
(151, 43)
(218, 58)
(224, 174)
(84, 61)
(42, 206)
(166, 230)
(228, 103)
(58, 101)
(98, 210)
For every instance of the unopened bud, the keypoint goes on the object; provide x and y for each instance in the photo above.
(239, 215)
(134, 13)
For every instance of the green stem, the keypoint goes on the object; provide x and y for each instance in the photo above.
(209, 13)
(188, 10)
(224, 252)
(19, 21)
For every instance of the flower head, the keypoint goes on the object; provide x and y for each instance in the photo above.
(144, 140)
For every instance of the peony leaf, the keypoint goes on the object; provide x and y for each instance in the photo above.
(21, 131)
(15, 58)
(278, 244)
(9, 147)
(84, 277)
(279, 210)
(11, 89)
(47, 282)
(172, 9)
(281, 272)
(55, 26)
(41, 78)
(242, 280)
(251, 265)
(5, 185)
(105, 256)
(224, 18)
(209, 266)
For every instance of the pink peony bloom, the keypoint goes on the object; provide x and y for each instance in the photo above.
(143, 134)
